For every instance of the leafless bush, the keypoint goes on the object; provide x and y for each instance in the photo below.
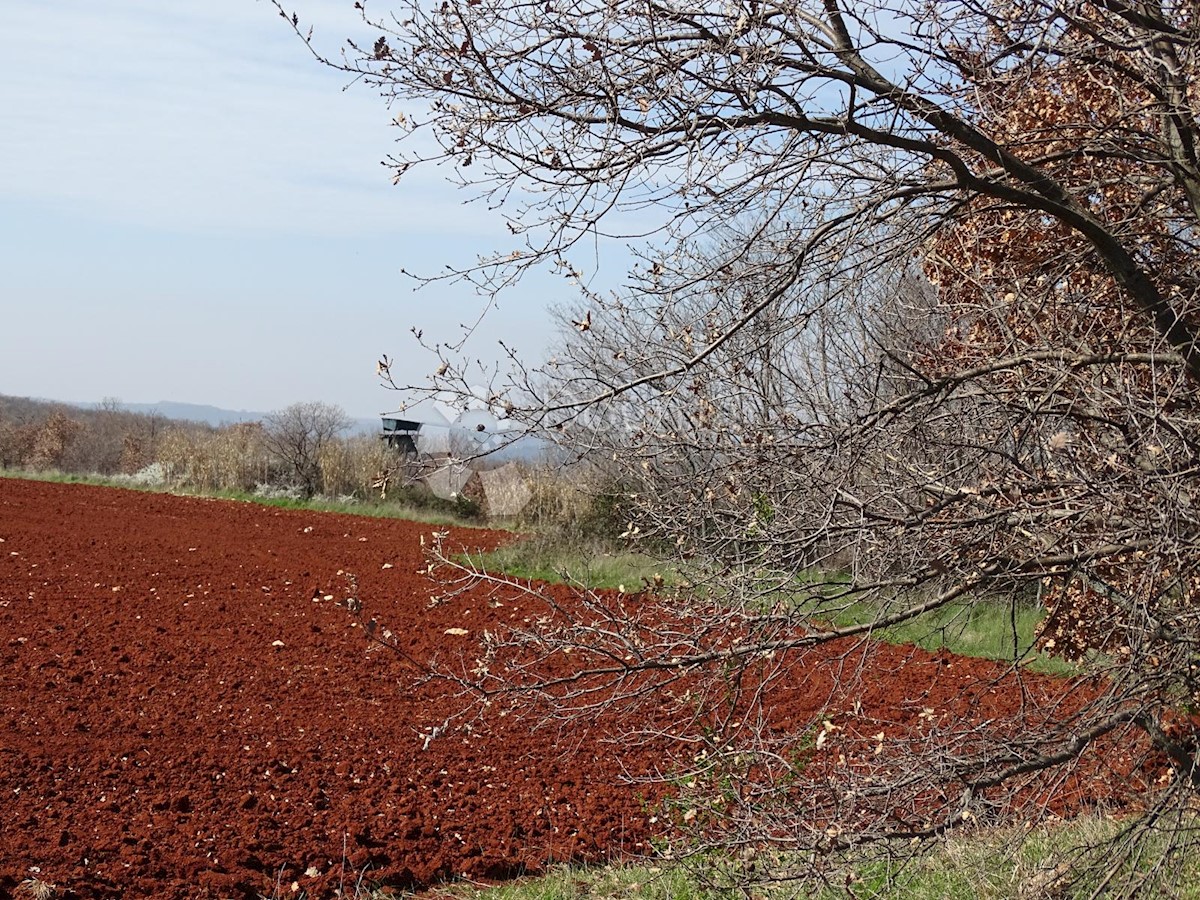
(54, 438)
(103, 441)
(918, 304)
(16, 443)
(300, 436)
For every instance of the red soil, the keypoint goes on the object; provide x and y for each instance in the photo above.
(183, 713)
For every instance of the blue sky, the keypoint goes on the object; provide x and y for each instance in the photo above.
(191, 209)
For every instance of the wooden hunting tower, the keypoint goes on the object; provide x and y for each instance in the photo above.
(400, 435)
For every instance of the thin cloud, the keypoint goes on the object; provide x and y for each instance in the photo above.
(204, 115)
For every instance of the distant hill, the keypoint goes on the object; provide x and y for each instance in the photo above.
(192, 412)
(215, 415)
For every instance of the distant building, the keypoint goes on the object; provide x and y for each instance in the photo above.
(474, 456)
(400, 434)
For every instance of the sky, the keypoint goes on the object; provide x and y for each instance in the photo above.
(191, 209)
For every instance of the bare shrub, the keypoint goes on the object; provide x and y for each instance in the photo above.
(16, 443)
(299, 435)
(53, 439)
(915, 322)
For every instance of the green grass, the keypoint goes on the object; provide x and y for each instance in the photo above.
(578, 883)
(997, 864)
(432, 513)
(57, 477)
(379, 509)
(585, 561)
(992, 629)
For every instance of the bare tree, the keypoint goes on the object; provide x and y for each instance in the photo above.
(1022, 176)
(297, 435)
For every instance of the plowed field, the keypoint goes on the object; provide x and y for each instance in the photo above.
(187, 710)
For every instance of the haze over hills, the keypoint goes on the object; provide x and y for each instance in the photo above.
(444, 430)
(194, 412)
(215, 415)
(435, 435)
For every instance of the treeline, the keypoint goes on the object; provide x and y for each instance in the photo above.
(40, 436)
(299, 450)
